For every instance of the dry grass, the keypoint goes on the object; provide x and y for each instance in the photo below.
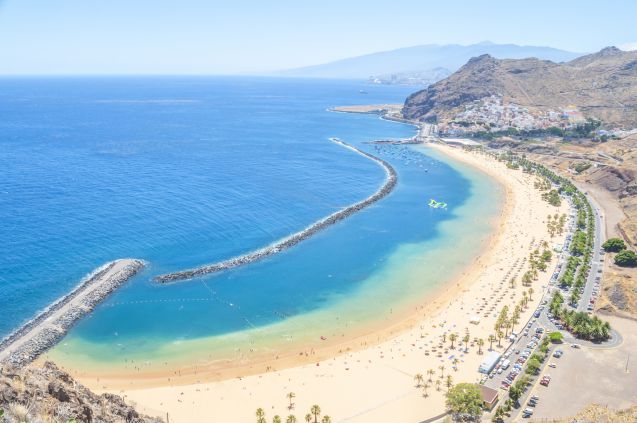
(600, 414)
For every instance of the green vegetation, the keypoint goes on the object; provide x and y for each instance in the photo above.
(581, 167)
(464, 400)
(552, 197)
(626, 258)
(585, 129)
(614, 245)
(533, 366)
(517, 389)
(579, 243)
(580, 324)
(555, 224)
(556, 337)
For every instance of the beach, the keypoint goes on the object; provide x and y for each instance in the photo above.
(375, 371)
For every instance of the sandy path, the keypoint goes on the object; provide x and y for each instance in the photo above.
(375, 384)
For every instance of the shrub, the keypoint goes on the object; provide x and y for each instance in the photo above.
(626, 258)
(556, 337)
(614, 245)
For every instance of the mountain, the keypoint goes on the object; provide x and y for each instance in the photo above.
(423, 58)
(602, 85)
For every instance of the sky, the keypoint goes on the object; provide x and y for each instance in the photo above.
(256, 36)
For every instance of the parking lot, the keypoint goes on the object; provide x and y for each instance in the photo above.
(589, 375)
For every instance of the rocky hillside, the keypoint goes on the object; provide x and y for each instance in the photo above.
(47, 394)
(602, 85)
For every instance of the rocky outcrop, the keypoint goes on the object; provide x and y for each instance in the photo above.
(50, 394)
(602, 85)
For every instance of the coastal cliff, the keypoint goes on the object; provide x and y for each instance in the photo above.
(49, 394)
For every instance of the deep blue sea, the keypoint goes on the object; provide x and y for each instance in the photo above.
(185, 171)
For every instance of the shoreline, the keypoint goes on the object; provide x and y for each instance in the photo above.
(290, 241)
(366, 335)
(398, 351)
(48, 327)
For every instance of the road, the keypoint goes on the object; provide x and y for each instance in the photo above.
(597, 262)
(543, 322)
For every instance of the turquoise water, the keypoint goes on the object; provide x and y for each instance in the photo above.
(187, 171)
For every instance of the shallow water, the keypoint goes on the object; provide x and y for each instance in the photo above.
(188, 171)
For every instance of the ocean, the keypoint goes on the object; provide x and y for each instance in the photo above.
(186, 171)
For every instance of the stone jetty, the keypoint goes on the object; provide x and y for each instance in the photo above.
(51, 325)
(291, 240)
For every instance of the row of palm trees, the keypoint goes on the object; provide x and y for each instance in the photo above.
(453, 337)
(425, 385)
(506, 322)
(315, 413)
(579, 323)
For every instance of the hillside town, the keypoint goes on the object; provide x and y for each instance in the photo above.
(495, 115)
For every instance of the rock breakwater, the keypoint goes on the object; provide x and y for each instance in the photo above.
(49, 327)
(292, 240)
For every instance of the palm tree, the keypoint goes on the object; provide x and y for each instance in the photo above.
(524, 297)
(444, 337)
(442, 370)
(491, 339)
(455, 363)
(308, 417)
(452, 338)
(515, 319)
(424, 390)
(316, 411)
(480, 345)
(430, 372)
(438, 385)
(418, 379)
(260, 414)
(290, 419)
(507, 326)
(326, 419)
(276, 419)
(449, 382)
(500, 335)
(291, 396)
(531, 291)
(466, 342)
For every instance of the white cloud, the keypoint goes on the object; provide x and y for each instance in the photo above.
(628, 46)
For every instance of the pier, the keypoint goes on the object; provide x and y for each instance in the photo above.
(45, 330)
(291, 240)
